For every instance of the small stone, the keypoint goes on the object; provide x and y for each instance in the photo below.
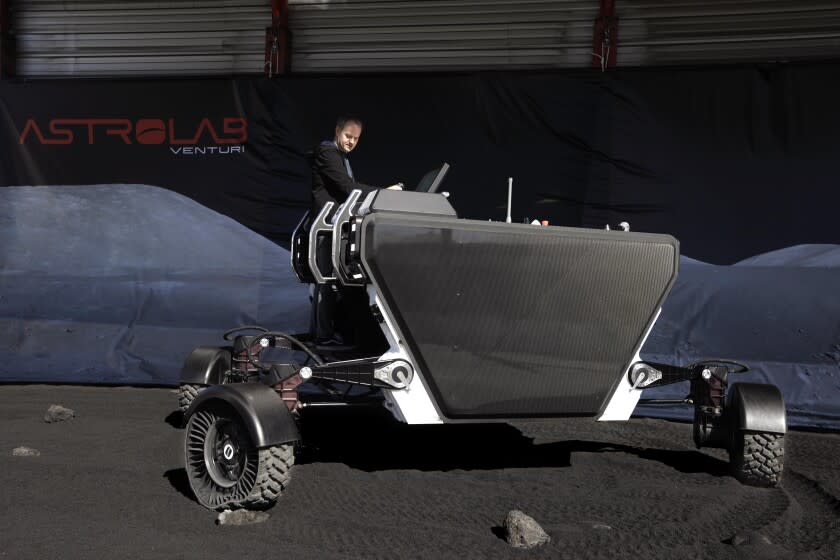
(58, 413)
(521, 531)
(25, 452)
(601, 526)
(241, 517)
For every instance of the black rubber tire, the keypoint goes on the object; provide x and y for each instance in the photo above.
(756, 458)
(187, 392)
(262, 474)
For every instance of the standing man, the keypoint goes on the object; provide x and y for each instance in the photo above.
(332, 181)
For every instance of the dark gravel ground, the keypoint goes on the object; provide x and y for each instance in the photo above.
(110, 484)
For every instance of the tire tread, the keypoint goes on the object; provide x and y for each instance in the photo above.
(757, 459)
(273, 477)
(187, 392)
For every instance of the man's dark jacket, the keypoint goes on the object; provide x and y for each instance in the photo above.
(331, 180)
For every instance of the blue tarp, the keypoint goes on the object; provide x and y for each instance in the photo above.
(117, 283)
(777, 312)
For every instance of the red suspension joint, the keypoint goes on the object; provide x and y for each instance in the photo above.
(605, 40)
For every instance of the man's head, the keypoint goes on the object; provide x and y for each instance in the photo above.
(347, 132)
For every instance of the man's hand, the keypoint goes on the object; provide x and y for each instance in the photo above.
(397, 187)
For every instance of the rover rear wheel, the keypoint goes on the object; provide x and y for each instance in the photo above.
(187, 392)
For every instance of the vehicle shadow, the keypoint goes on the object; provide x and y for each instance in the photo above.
(372, 442)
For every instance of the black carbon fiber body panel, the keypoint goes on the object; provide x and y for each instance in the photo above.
(510, 320)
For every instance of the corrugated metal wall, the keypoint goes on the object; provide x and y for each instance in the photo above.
(136, 38)
(364, 35)
(708, 31)
(406, 35)
(212, 37)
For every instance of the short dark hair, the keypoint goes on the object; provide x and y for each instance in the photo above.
(344, 120)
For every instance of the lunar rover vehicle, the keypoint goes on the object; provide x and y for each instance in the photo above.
(459, 321)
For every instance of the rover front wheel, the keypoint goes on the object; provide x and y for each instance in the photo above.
(225, 469)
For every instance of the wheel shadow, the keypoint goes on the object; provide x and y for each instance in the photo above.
(179, 481)
(175, 419)
(372, 442)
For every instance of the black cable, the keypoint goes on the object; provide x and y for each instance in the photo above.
(251, 360)
(713, 361)
(227, 334)
(297, 343)
(266, 332)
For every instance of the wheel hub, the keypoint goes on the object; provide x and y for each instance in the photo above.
(224, 458)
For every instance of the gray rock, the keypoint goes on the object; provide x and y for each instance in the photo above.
(58, 413)
(25, 452)
(241, 517)
(521, 531)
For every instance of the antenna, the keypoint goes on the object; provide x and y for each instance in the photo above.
(510, 192)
